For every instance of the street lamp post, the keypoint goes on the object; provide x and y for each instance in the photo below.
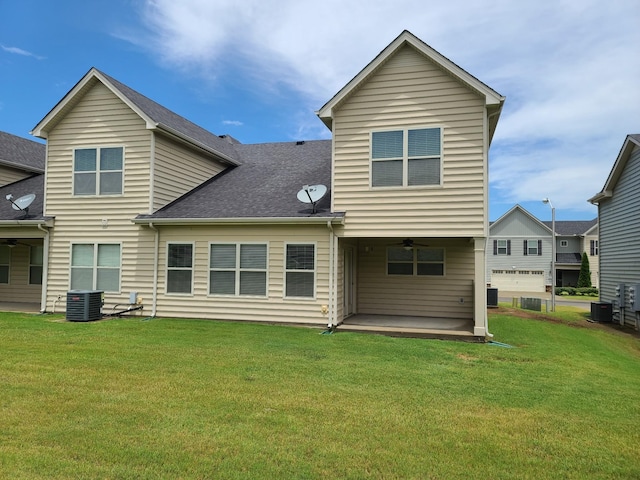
(553, 254)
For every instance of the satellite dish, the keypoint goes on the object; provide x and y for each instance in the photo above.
(312, 194)
(23, 202)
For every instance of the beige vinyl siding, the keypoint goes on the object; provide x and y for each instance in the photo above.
(178, 170)
(273, 308)
(410, 91)
(9, 175)
(18, 289)
(99, 119)
(432, 296)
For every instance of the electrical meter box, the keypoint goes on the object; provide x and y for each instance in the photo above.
(634, 297)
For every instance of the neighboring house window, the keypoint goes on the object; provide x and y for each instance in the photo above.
(300, 270)
(35, 264)
(502, 247)
(415, 261)
(98, 171)
(179, 268)
(532, 247)
(238, 269)
(593, 247)
(564, 243)
(5, 262)
(409, 157)
(95, 267)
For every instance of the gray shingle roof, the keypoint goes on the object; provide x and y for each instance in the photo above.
(18, 189)
(264, 185)
(572, 227)
(22, 153)
(165, 117)
(568, 258)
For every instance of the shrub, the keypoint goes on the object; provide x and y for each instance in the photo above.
(579, 292)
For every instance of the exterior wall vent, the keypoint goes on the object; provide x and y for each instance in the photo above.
(84, 305)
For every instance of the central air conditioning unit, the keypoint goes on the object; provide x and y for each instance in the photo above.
(84, 305)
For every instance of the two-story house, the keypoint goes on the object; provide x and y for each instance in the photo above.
(520, 253)
(139, 199)
(618, 207)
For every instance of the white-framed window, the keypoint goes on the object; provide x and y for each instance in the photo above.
(407, 157)
(415, 261)
(5, 263)
(95, 266)
(502, 247)
(36, 256)
(564, 243)
(300, 270)
(533, 247)
(98, 171)
(180, 268)
(238, 269)
(593, 247)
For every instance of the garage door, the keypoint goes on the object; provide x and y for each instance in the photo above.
(518, 280)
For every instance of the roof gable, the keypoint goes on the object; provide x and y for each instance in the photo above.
(517, 211)
(155, 116)
(491, 97)
(630, 143)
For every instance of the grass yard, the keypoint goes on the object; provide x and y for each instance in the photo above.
(126, 398)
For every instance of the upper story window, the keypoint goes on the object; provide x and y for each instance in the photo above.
(593, 247)
(532, 247)
(405, 158)
(98, 171)
(502, 247)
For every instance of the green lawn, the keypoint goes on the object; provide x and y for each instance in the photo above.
(127, 398)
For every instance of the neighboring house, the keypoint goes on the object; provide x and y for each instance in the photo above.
(20, 158)
(519, 257)
(22, 162)
(139, 199)
(618, 207)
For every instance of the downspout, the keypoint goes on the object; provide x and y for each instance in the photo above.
(45, 268)
(154, 299)
(332, 312)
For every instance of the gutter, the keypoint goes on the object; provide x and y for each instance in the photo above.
(238, 220)
(27, 223)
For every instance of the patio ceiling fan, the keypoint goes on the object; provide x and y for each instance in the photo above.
(408, 244)
(12, 242)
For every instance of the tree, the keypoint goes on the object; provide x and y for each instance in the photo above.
(584, 279)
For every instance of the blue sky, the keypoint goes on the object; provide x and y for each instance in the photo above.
(259, 69)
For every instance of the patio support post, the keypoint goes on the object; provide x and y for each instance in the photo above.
(480, 327)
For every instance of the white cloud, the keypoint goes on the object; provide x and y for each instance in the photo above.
(569, 69)
(20, 51)
(234, 123)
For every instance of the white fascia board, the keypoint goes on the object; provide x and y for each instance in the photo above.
(239, 221)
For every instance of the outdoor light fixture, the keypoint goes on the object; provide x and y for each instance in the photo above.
(553, 253)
